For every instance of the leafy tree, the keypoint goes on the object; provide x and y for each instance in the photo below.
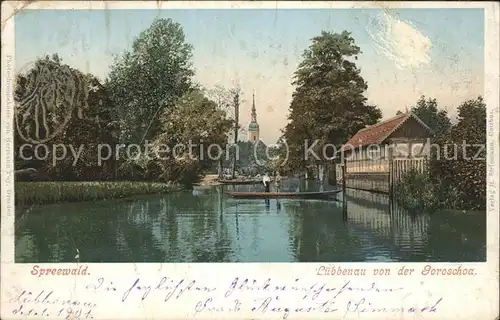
(467, 173)
(328, 104)
(457, 175)
(93, 128)
(282, 151)
(251, 157)
(148, 79)
(46, 97)
(222, 97)
(437, 119)
(227, 100)
(276, 159)
(72, 109)
(194, 121)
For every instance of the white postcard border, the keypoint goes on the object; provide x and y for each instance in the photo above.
(465, 297)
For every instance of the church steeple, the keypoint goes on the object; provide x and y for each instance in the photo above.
(254, 111)
(253, 127)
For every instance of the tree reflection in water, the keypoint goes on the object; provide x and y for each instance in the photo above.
(206, 226)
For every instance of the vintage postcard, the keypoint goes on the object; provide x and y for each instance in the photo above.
(249, 160)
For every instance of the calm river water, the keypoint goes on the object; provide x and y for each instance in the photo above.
(203, 225)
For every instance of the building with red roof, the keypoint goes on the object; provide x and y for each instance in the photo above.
(368, 154)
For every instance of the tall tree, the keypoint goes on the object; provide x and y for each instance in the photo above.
(437, 119)
(227, 100)
(469, 170)
(72, 109)
(328, 104)
(91, 128)
(460, 164)
(189, 130)
(222, 97)
(149, 78)
(46, 97)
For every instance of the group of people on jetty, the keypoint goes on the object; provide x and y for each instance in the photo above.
(266, 180)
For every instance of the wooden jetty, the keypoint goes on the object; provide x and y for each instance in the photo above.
(294, 195)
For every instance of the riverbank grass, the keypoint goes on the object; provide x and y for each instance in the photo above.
(49, 192)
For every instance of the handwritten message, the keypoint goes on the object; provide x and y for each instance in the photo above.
(333, 290)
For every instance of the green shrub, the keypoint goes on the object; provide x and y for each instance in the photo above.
(418, 193)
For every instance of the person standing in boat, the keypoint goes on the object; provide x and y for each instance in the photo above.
(277, 181)
(267, 182)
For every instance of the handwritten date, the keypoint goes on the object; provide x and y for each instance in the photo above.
(51, 312)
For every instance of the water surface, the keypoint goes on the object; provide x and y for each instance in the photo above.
(203, 225)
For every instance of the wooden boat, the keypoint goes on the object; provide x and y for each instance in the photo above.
(298, 195)
(240, 182)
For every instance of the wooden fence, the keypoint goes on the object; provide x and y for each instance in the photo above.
(381, 180)
(399, 167)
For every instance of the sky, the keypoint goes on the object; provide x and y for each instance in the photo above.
(406, 53)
